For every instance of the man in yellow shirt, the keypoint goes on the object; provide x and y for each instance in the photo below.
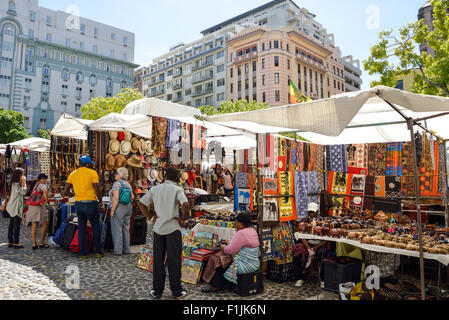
(85, 184)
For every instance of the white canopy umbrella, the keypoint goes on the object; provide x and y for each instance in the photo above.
(138, 124)
(68, 126)
(159, 108)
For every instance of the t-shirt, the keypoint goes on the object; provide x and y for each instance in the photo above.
(41, 187)
(165, 198)
(82, 180)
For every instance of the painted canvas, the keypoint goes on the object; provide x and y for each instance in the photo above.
(191, 271)
(270, 187)
(145, 261)
(270, 210)
(287, 205)
(244, 200)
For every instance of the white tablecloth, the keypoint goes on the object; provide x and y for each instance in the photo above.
(223, 233)
(215, 207)
(442, 258)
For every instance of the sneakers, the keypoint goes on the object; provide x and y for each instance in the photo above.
(100, 255)
(299, 283)
(322, 285)
(84, 257)
(181, 295)
(154, 295)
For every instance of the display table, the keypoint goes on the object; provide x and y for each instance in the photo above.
(442, 258)
(223, 233)
(215, 207)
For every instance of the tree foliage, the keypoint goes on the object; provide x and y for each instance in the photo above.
(233, 107)
(397, 55)
(44, 134)
(11, 126)
(100, 106)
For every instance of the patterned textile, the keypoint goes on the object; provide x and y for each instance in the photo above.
(427, 158)
(33, 169)
(357, 190)
(159, 134)
(305, 183)
(357, 155)
(428, 180)
(267, 240)
(339, 183)
(380, 186)
(306, 150)
(377, 156)
(312, 157)
(368, 203)
(283, 243)
(442, 188)
(199, 137)
(246, 261)
(394, 159)
(173, 133)
(393, 187)
(362, 171)
(282, 154)
(45, 163)
(287, 206)
(293, 158)
(336, 158)
(319, 165)
(241, 180)
(251, 180)
(300, 166)
(408, 173)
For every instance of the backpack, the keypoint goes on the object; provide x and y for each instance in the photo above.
(124, 194)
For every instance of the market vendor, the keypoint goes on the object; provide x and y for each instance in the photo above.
(241, 256)
(310, 249)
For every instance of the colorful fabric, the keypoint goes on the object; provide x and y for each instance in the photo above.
(301, 194)
(429, 178)
(312, 157)
(339, 183)
(357, 190)
(394, 159)
(380, 186)
(306, 150)
(336, 158)
(159, 135)
(293, 159)
(173, 133)
(362, 171)
(251, 180)
(282, 154)
(357, 155)
(283, 243)
(319, 165)
(295, 95)
(300, 166)
(393, 187)
(287, 206)
(377, 157)
(241, 180)
(408, 173)
(246, 261)
(368, 203)
(442, 188)
(33, 169)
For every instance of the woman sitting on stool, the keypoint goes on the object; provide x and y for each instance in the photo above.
(241, 256)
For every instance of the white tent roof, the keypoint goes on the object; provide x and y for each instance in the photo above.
(138, 124)
(68, 126)
(320, 120)
(33, 144)
(159, 108)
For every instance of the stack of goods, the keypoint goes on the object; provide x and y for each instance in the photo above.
(202, 254)
(192, 241)
(392, 231)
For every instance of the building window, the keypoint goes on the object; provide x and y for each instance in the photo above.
(125, 40)
(254, 82)
(43, 124)
(65, 89)
(125, 57)
(263, 63)
(232, 88)
(239, 86)
(93, 79)
(26, 123)
(81, 45)
(49, 20)
(276, 78)
(77, 107)
(263, 46)
(78, 92)
(232, 72)
(246, 84)
(220, 97)
(46, 70)
(123, 84)
(65, 74)
(113, 36)
(26, 101)
(254, 66)
(112, 53)
(276, 44)
(263, 80)
(92, 94)
(47, 37)
(33, 15)
(264, 97)
(277, 95)
(400, 85)
(68, 42)
(288, 64)
(220, 82)
(220, 54)
(335, 84)
(246, 68)
(276, 61)
(95, 31)
(220, 68)
(31, 33)
(28, 82)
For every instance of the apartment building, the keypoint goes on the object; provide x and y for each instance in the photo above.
(198, 73)
(51, 64)
(352, 73)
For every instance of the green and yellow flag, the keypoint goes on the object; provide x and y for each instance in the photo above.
(296, 96)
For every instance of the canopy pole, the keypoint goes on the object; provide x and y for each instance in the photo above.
(259, 204)
(445, 177)
(418, 206)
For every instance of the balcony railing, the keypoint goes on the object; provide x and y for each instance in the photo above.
(310, 62)
(203, 78)
(177, 86)
(202, 92)
(177, 74)
(202, 64)
(156, 93)
(245, 57)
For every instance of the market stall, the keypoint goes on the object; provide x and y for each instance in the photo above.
(377, 115)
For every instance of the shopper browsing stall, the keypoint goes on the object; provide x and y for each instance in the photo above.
(167, 232)
(17, 191)
(313, 249)
(37, 211)
(121, 210)
(85, 183)
(241, 256)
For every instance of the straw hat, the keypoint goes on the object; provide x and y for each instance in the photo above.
(184, 177)
(152, 176)
(157, 152)
(120, 161)
(128, 136)
(139, 184)
(151, 159)
(135, 162)
(114, 146)
(135, 144)
(145, 163)
(110, 162)
(125, 147)
(146, 172)
(160, 176)
(142, 146)
(113, 135)
(149, 150)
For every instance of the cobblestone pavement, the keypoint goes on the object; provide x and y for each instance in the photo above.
(41, 275)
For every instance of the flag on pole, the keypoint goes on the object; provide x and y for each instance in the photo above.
(296, 96)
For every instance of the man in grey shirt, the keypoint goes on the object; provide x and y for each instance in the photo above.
(166, 199)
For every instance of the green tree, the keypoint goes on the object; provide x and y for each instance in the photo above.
(11, 126)
(44, 134)
(397, 55)
(233, 107)
(100, 106)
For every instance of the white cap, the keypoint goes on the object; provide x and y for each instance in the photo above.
(313, 207)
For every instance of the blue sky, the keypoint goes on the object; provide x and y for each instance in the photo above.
(161, 24)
